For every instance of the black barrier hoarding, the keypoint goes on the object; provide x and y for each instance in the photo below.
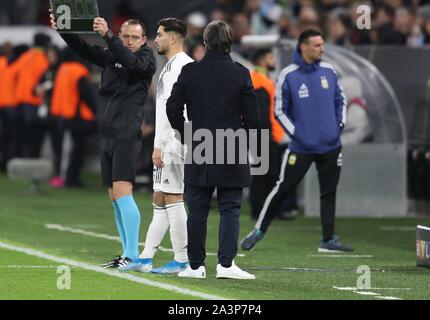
(81, 15)
(423, 246)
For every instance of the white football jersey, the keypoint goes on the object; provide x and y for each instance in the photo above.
(164, 134)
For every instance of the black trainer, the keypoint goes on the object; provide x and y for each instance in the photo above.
(113, 264)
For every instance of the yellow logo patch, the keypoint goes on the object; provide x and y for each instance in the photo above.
(324, 83)
(292, 160)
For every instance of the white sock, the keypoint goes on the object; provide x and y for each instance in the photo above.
(156, 231)
(178, 230)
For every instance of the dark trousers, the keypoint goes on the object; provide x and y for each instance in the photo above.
(80, 131)
(229, 203)
(293, 169)
(14, 119)
(33, 131)
(5, 138)
(262, 185)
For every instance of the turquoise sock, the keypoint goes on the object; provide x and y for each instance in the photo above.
(120, 226)
(131, 222)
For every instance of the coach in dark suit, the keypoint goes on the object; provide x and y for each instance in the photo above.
(219, 96)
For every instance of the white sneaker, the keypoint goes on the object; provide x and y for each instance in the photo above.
(199, 273)
(234, 272)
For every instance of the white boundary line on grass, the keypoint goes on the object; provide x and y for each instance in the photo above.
(117, 274)
(398, 228)
(355, 289)
(372, 294)
(27, 267)
(62, 228)
(339, 255)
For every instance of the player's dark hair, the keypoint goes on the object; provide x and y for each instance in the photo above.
(218, 36)
(174, 25)
(136, 22)
(305, 35)
(260, 53)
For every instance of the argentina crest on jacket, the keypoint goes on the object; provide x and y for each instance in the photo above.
(324, 83)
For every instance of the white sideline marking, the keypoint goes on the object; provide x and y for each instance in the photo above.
(394, 228)
(61, 228)
(366, 293)
(388, 298)
(117, 274)
(369, 293)
(28, 267)
(356, 289)
(339, 256)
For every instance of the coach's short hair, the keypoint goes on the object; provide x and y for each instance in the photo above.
(174, 25)
(135, 22)
(305, 35)
(218, 36)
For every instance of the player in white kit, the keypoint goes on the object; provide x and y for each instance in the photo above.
(168, 158)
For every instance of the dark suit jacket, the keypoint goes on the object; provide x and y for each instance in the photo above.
(218, 94)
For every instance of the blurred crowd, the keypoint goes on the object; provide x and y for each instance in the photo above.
(393, 22)
(45, 91)
(32, 94)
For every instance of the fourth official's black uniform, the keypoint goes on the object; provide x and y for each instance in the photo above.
(123, 90)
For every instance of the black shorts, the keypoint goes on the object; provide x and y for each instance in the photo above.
(119, 160)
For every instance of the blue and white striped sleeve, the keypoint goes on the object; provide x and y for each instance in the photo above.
(282, 103)
(340, 104)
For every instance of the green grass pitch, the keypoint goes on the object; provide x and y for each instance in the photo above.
(286, 262)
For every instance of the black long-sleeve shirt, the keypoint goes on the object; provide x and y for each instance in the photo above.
(124, 85)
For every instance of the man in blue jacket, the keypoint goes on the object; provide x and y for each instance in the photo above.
(311, 107)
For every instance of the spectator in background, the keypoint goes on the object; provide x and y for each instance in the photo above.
(196, 22)
(51, 125)
(34, 63)
(384, 32)
(241, 27)
(307, 19)
(339, 26)
(265, 20)
(265, 62)
(197, 52)
(402, 23)
(425, 27)
(4, 125)
(395, 4)
(8, 102)
(285, 24)
(74, 102)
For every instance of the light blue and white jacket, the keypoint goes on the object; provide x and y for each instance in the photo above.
(310, 106)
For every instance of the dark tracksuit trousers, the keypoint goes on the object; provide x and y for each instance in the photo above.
(294, 168)
(229, 203)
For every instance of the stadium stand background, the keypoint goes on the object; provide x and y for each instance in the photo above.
(397, 45)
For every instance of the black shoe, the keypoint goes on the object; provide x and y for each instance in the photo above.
(334, 246)
(113, 264)
(251, 239)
